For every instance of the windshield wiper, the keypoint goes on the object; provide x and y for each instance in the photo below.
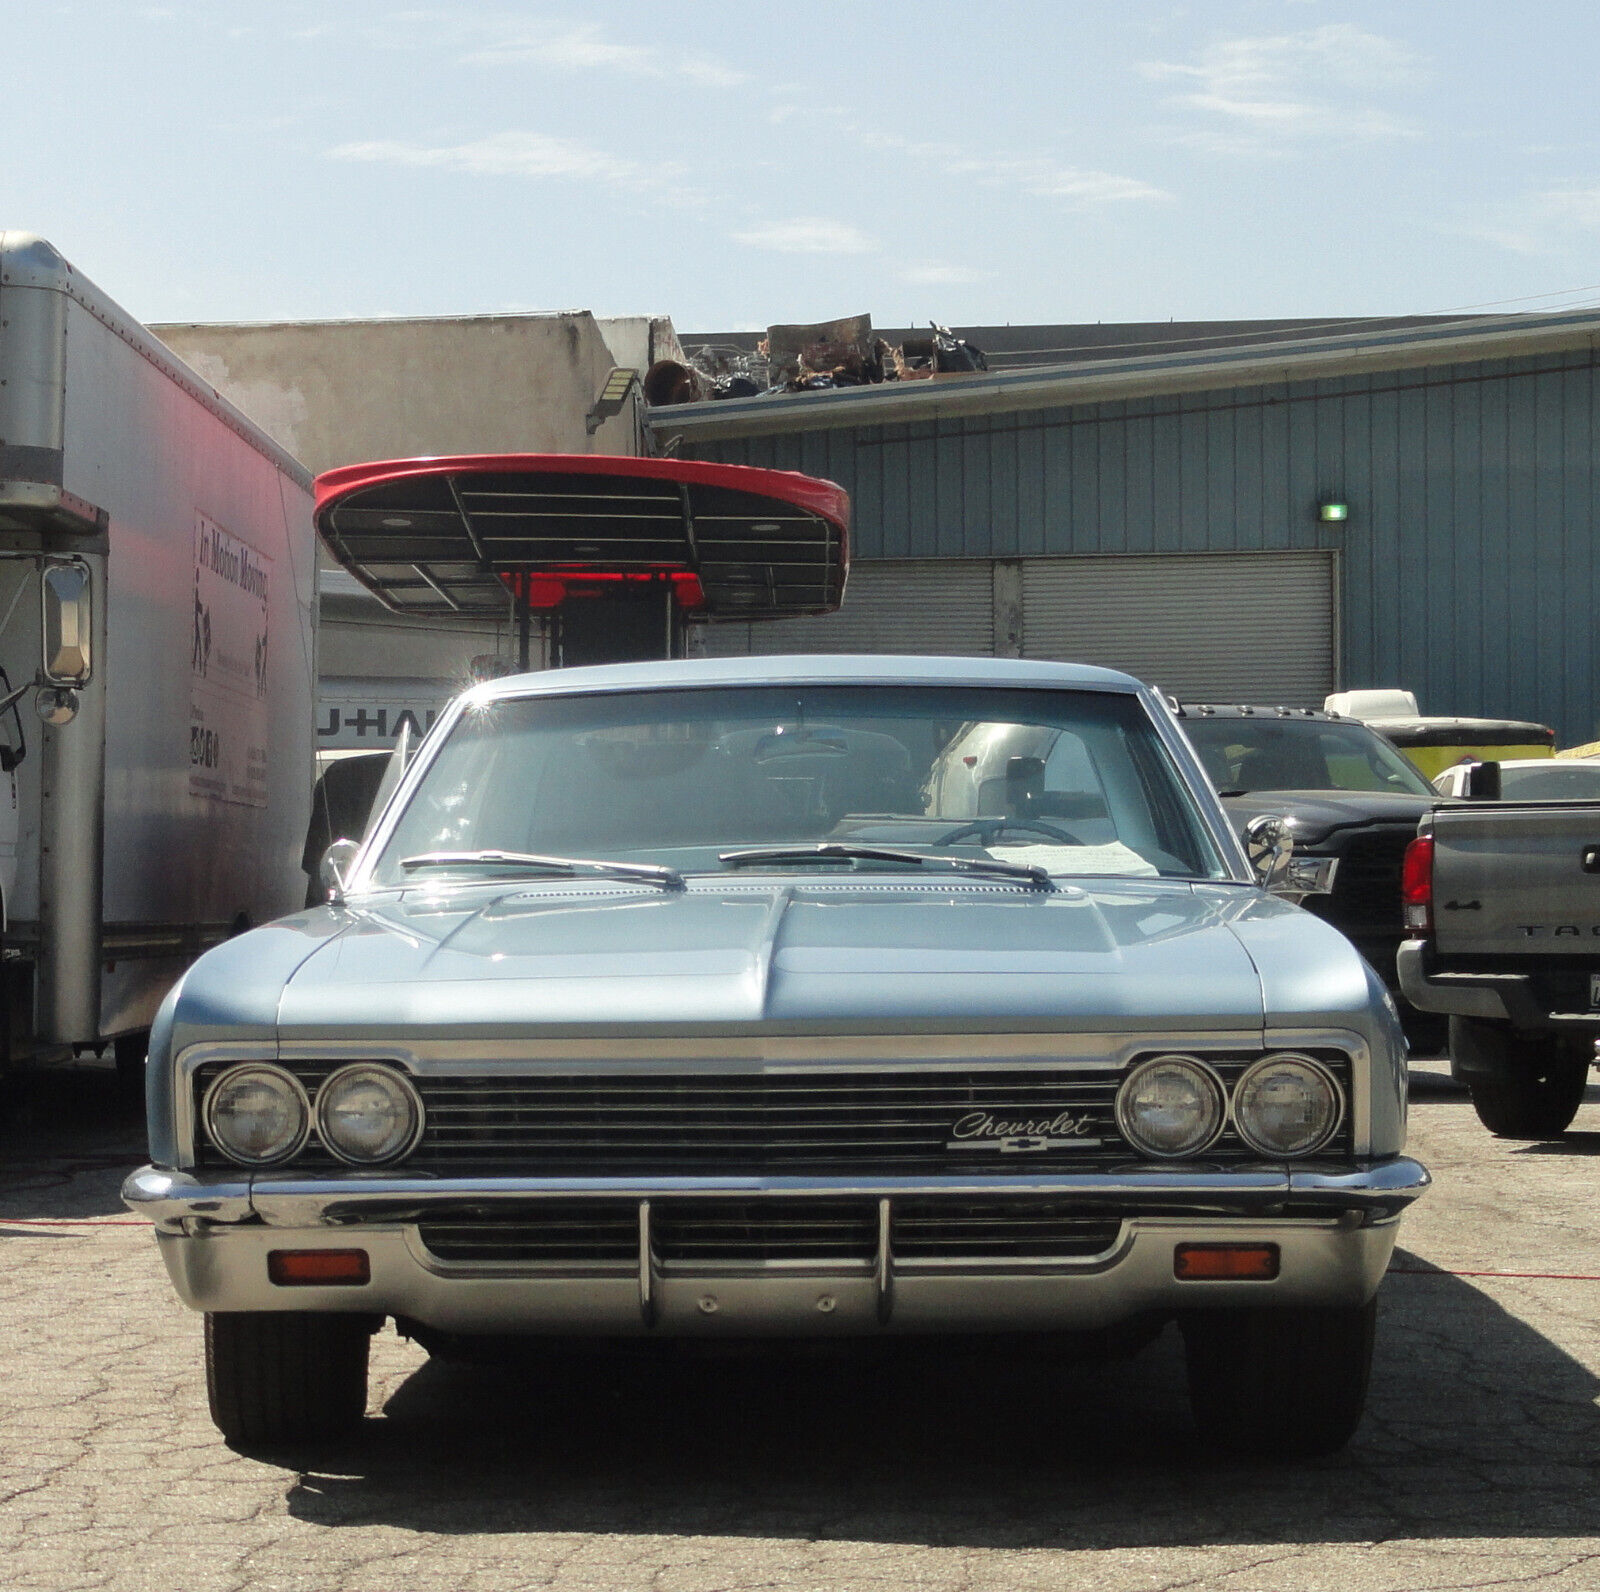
(834, 851)
(531, 862)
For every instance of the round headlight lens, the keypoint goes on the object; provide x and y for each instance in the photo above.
(1286, 1105)
(257, 1115)
(368, 1114)
(1171, 1106)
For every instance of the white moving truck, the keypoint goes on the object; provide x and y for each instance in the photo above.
(157, 666)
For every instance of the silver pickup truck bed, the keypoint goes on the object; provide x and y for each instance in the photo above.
(1505, 905)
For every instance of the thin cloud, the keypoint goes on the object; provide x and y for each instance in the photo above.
(1047, 179)
(1036, 175)
(521, 154)
(1552, 221)
(808, 235)
(1268, 91)
(933, 274)
(584, 47)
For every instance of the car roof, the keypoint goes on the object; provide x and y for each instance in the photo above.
(809, 669)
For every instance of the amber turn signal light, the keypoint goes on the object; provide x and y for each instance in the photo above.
(318, 1268)
(1225, 1262)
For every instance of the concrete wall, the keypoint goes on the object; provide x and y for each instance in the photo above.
(638, 341)
(341, 392)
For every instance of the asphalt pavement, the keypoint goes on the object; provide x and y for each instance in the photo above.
(948, 1469)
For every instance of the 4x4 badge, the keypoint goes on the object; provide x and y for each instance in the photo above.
(982, 1130)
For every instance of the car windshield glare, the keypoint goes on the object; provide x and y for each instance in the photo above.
(1269, 753)
(1070, 781)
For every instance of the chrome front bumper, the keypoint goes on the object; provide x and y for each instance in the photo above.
(1334, 1229)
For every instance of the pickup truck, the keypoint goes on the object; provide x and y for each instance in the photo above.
(1502, 905)
(1354, 803)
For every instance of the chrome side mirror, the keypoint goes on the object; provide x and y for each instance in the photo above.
(1269, 844)
(334, 869)
(66, 611)
(56, 704)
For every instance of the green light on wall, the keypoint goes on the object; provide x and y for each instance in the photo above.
(1332, 513)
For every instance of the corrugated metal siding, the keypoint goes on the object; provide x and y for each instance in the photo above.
(1469, 562)
(926, 605)
(1229, 627)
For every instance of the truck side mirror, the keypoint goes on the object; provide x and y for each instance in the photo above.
(66, 601)
(1482, 783)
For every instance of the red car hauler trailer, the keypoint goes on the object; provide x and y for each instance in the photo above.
(616, 556)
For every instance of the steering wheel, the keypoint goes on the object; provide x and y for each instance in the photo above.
(987, 828)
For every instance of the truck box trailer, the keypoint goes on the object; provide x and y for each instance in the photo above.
(157, 665)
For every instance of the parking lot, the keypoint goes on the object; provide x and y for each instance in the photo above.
(934, 1469)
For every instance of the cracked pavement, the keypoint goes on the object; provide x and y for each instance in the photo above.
(943, 1469)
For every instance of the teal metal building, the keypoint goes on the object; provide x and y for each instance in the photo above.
(1180, 515)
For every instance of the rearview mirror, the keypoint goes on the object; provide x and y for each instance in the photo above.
(68, 621)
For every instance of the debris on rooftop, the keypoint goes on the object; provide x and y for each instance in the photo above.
(811, 358)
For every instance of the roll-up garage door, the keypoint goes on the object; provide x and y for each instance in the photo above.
(1219, 627)
(890, 605)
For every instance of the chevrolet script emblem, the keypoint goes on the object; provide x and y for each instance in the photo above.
(982, 1130)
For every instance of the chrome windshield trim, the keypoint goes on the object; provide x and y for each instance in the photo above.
(1191, 777)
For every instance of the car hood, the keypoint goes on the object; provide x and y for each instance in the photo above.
(580, 958)
(1318, 814)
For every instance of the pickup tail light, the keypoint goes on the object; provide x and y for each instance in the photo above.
(1416, 886)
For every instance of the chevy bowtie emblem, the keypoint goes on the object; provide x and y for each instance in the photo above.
(982, 1130)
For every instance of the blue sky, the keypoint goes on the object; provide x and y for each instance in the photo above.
(734, 164)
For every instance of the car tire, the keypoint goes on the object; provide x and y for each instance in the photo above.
(1279, 1383)
(1522, 1087)
(283, 1376)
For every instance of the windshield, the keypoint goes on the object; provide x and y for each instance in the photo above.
(1267, 753)
(1077, 782)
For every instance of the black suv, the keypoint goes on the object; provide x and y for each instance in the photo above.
(1351, 796)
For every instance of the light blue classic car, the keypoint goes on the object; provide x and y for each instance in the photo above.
(789, 998)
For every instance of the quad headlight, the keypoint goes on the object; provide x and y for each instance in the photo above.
(367, 1114)
(1171, 1106)
(257, 1114)
(1286, 1105)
